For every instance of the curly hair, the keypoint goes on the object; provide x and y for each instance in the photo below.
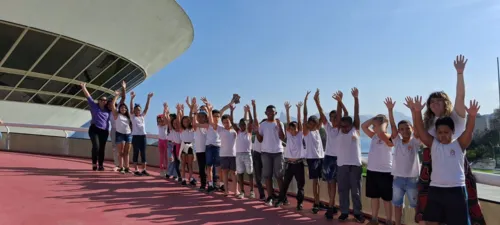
(429, 116)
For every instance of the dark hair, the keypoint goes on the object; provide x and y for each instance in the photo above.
(243, 120)
(270, 107)
(189, 127)
(214, 111)
(403, 122)
(173, 117)
(347, 119)
(137, 105)
(225, 116)
(293, 124)
(127, 114)
(445, 121)
(334, 112)
(313, 119)
(263, 120)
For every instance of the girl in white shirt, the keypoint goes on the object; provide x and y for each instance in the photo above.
(187, 139)
(162, 143)
(175, 138)
(447, 199)
(244, 162)
(200, 138)
(123, 125)
(139, 141)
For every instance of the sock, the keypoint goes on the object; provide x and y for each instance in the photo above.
(221, 183)
(210, 183)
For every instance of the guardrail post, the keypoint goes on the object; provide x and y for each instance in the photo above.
(66, 143)
(7, 139)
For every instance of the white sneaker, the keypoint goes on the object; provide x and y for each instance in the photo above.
(116, 168)
(240, 195)
(251, 195)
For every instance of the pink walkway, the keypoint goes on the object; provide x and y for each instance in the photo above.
(46, 190)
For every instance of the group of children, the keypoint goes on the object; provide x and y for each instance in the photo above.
(230, 150)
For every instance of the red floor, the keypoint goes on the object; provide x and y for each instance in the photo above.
(46, 190)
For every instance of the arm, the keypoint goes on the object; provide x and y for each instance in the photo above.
(410, 104)
(231, 114)
(226, 107)
(180, 114)
(385, 137)
(366, 126)
(356, 108)
(305, 131)
(247, 111)
(256, 120)
(124, 93)
(210, 119)
(146, 108)
(338, 97)
(466, 137)
(390, 107)
(281, 133)
(113, 105)
(460, 96)
(92, 104)
(287, 109)
(344, 109)
(425, 137)
(299, 123)
(322, 116)
(131, 106)
(166, 114)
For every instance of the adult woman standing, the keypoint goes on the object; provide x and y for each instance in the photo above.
(99, 127)
(439, 105)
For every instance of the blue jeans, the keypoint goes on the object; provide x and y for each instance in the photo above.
(402, 186)
(212, 154)
(171, 166)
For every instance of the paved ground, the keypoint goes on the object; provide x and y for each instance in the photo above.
(47, 190)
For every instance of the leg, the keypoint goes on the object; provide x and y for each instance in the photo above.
(135, 148)
(372, 191)
(386, 194)
(94, 138)
(116, 155)
(423, 184)
(120, 147)
(398, 194)
(456, 208)
(183, 166)
(355, 188)
(434, 212)
(300, 177)
(267, 174)
(209, 164)
(103, 138)
(126, 155)
(344, 187)
(240, 170)
(143, 145)
(278, 164)
(248, 163)
(190, 158)
(287, 179)
(201, 168)
(257, 165)
(162, 150)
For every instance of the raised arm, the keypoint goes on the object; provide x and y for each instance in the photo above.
(299, 122)
(249, 113)
(146, 108)
(131, 106)
(390, 107)
(355, 93)
(322, 116)
(166, 114)
(367, 128)
(287, 109)
(338, 97)
(409, 103)
(211, 121)
(231, 118)
(459, 107)
(425, 137)
(305, 130)
(85, 91)
(113, 105)
(256, 120)
(466, 137)
(180, 113)
(236, 98)
(124, 93)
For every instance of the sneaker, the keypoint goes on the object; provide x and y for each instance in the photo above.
(167, 176)
(329, 214)
(278, 203)
(262, 198)
(269, 201)
(179, 180)
(137, 173)
(360, 219)
(241, 195)
(116, 169)
(94, 167)
(299, 206)
(315, 208)
(192, 182)
(184, 183)
(251, 195)
(372, 222)
(101, 168)
(343, 217)
(145, 173)
(221, 188)
(285, 202)
(122, 170)
(202, 188)
(126, 170)
(323, 206)
(210, 189)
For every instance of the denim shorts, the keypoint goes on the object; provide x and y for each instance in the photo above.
(212, 155)
(315, 167)
(123, 138)
(330, 168)
(402, 186)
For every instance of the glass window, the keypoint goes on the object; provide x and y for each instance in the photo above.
(71, 89)
(41, 98)
(97, 67)
(79, 62)
(120, 76)
(72, 102)
(136, 81)
(127, 79)
(110, 72)
(3, 94)
(19, 96)
(33, 83)
(9, 80)
(30, 48)
(8, 35)
(57, 56)
(97, 94)
(59, 100)
(54, 86)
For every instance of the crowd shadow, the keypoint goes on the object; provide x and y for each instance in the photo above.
(154, 199)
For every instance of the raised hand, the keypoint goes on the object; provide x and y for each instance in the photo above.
(473, 108)
(124, 84)
(187, 102)
(287, 105)
(338, 96)
(253, 102)
(235, 99)
(83, 85)
(232, 106)
(204, 100)
(246, 108)
(195, 107)
(150, 95)
(316, 95)
(389, 103)
(165, 106)
(459, 63)
(193, 101)
(418, 106)
(209, 106)
(132, 94)
(409, 102)
(354, 92)
(299, 105)
(117, 93)
(307, 95)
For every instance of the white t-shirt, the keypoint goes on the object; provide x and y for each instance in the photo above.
(174, 136)
(459, 125)
(331, 140)
(187, 136)
(447, 164)
(256, 145)
(294, 147)
(380, 156)
(200, 138)
(122, 125)
(244, 142)
(406, 162)
(138, 126)
(270, 132)
(314, 146)
(349, 148)
(162, 132)
(213, 137)
(112, 124)
(228, 141)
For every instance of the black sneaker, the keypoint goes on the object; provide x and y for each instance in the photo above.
(359, 218)
(343, 217)
(145, 173)
(126, 170)
(179, 180)
(94, 168)
(323, 206)
(184, 182)
(221, 188)
(174, 177)
(278, 203)
(192, 182)
(210, 189)
(121, 170)
(137, 173)
(299, 207)
(315, 208)
(101, 168)
(262, 198)
(202, 188)
(269, 201)
(329, 213)
(285, 202)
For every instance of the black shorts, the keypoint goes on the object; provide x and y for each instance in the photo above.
(378, 185)
(190, 152)
(447, 205)
(315, 166)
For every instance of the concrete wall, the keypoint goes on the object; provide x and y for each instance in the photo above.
(82, 148)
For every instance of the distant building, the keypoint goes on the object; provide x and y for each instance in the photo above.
(482, 123)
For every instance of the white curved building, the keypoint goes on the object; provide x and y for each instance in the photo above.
(48, 47)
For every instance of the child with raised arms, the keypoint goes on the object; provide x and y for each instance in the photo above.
(447, 199)
(314, 152)
(187, 139)
(257, 161)
(139, 141)
(294, 157)
(161, 121)
(349, 160)
(200, 137)
(244, 162)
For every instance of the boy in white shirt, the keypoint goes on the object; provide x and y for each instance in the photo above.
(406, 164)
(447, 199)
(244, 162)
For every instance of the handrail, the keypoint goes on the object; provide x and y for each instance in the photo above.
(482, 178)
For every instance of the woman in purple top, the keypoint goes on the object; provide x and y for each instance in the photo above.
(99, 128)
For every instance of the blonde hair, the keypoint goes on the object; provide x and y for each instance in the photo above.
(429, 116)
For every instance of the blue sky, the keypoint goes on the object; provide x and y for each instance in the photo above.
(274, 51)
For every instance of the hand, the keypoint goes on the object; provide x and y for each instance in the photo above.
(253, 103)
(278, 121)
(316, 95)
(389, 103)
(187, 102)
(204, 100)
(150, 95)
(209, 106)
(165, 106)
(338, 96)
(299, 105)
(354, 92)
(83, 85)
(307, 96)
(132, 94)
(473, 108)
(232, 107)
(246, 108)
(117, 93)
(124, 84)
(409, 102)
(195, 107)
(193, 101)
(459, 64)
(418, 106)
(287, 106)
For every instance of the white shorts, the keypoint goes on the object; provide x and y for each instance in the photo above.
(244, 163)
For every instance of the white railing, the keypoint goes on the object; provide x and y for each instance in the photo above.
(482, 178)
